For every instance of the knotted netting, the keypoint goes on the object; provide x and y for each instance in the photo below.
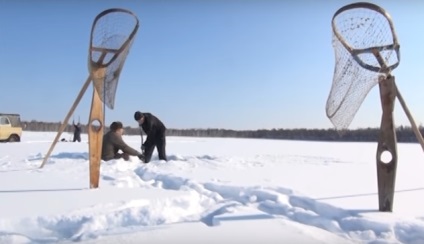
(111, 38)
(365, 48)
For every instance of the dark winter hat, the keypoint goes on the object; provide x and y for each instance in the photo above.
(138, 115)
(116, 125)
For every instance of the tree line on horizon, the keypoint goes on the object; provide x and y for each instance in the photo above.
(403, 133)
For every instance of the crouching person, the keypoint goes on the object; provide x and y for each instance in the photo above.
(113, 143)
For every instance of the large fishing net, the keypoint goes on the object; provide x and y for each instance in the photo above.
(365, 47)
(110, 41)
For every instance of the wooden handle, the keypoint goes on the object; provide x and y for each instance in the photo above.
(386, 169)
(411, 120)
(65, 122)
(95, 129)
(95, 135)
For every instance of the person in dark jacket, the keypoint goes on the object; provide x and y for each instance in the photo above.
(155, 131)
(113, 143)
(77, 132)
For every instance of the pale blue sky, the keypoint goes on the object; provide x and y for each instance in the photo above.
(245, 64)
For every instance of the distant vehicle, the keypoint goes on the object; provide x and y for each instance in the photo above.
(10, 127)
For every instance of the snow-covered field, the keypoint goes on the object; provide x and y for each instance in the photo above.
(212, 190)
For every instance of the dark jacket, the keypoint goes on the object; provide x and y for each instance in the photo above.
(112, 143)
(77, 130)
(153, 127)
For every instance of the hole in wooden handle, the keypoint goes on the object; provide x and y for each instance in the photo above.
(386, 157)
(96, 125)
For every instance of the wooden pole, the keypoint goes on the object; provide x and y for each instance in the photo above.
(386, 170)
(65, 122)
(411, 120)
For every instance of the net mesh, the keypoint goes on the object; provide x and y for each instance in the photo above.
(356, 32)
(111, 39)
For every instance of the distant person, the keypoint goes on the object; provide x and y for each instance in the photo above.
(113, 143)
(77, 132)
(155, 131)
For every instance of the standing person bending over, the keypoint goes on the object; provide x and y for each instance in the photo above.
(155, 131)
(113, 142)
